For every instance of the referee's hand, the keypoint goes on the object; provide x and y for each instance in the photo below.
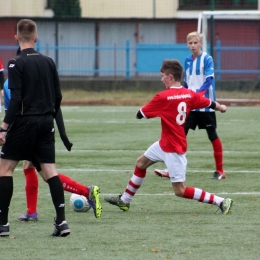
(67, 144)
(2, 138)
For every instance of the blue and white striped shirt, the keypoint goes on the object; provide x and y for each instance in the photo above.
(196, 72)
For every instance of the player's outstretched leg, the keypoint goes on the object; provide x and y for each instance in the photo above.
(117, 202)
(93, 200)
(203, 196)
(123, 200)
(225, 206)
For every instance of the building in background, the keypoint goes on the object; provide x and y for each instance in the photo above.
(148, 9)
(127, 39)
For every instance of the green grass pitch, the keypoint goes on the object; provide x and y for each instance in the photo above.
(107, 141)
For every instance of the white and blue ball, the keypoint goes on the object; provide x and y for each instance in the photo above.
(79, 203)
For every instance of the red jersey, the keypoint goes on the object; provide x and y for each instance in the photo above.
(173, 106)
(1, 65)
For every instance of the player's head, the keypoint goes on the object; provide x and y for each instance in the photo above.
(171, 69)
(196, 35)
(194, 41)
(26, 31)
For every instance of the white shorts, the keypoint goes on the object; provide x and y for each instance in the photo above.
(176, 163)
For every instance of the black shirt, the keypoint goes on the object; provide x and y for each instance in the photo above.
(34, 85)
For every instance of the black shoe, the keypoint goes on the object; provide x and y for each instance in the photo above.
(61, 230)
(117, 202)
(4, 230)
(226, 205)
(219, 175)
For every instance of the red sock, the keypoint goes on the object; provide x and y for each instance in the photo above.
(133, 185)
(218, 155)
(72, 186)
(31, 190)
(199, 195)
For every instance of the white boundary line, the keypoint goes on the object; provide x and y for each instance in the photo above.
(123, 171)
(142, 151)
(18, 194)
(129, 171)
(172, 194)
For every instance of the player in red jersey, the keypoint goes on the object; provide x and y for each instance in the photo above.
(199, 77)
(172, 106)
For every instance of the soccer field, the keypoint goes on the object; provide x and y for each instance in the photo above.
(107, 141)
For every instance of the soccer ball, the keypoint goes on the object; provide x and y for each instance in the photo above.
(79, 203)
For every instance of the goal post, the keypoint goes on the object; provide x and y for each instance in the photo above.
(203, 20)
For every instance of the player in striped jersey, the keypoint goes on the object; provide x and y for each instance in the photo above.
(199, 77)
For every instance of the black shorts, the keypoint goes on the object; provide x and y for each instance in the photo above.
(201, 119)
(30, 137)
(36, 164)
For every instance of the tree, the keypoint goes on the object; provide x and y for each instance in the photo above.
(66, 8)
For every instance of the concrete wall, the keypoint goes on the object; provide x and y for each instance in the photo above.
(102, 9)
(99, 9)
(26, 8)
(130, 9)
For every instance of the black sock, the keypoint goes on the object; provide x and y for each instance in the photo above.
(58, 199)
(6, 193)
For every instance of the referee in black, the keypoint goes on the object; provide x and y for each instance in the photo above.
(28, 126)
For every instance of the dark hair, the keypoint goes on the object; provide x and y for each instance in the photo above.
(172, 67)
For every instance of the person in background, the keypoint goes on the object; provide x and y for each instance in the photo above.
(173, 106)
(199, 77)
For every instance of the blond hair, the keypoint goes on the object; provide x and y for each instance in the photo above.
(26, 30)
(199, 36)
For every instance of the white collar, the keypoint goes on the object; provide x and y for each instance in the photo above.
(176, 87)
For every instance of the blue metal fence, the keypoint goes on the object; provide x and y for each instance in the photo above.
(243, 60)
(144, 59)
